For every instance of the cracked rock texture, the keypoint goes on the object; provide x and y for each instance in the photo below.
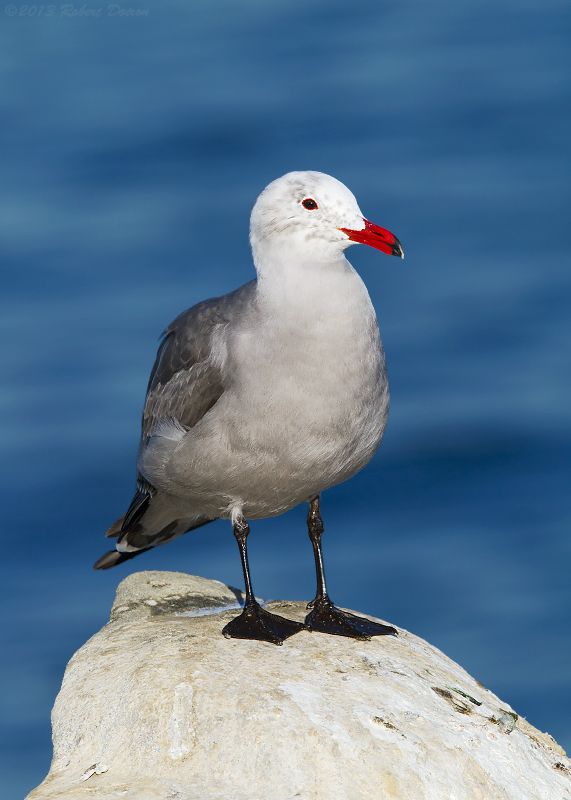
(159, 704)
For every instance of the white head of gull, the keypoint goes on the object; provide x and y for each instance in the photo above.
(263, 398)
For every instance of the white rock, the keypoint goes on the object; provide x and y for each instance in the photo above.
(159, 704)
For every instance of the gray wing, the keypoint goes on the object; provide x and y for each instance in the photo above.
(185, 381)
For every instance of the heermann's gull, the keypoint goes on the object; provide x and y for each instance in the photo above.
(261, 399)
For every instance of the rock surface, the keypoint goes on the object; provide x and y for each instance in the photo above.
(159, 704)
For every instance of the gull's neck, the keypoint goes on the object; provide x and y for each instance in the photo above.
(307, 294)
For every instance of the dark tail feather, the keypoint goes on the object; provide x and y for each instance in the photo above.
(135, 512)
(115, 529)
(114, 557)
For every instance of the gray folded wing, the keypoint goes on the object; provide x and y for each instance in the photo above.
(186, 381)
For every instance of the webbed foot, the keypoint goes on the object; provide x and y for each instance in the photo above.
(326, 618)
(256, 623)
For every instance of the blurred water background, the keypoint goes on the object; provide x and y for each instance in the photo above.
(133, 149)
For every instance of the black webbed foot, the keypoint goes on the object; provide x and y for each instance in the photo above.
(256, 623)
(326, 618)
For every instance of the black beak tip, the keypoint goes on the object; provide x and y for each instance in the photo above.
(397, 248)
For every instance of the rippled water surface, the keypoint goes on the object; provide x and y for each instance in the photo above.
(133, 149)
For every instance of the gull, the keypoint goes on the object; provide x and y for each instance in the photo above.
(263, 398)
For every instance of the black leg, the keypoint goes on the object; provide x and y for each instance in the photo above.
(315, 529)
(254, 622)
(324, 617)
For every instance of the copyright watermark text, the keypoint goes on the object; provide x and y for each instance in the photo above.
(69, 10)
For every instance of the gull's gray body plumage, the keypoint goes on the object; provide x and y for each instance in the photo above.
(261, 399)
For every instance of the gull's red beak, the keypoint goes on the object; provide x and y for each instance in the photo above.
(376, 237)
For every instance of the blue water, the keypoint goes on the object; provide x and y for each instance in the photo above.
(133, 149)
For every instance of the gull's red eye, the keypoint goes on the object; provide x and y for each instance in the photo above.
(309, 203)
